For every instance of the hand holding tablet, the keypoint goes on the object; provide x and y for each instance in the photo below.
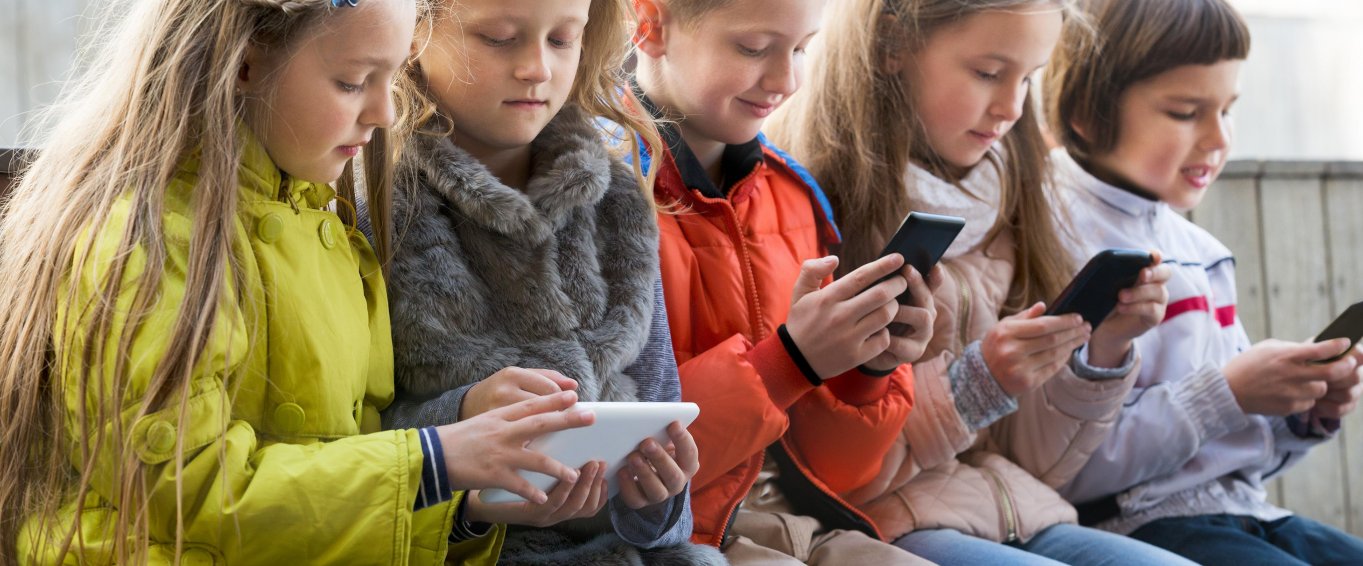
(618, 430)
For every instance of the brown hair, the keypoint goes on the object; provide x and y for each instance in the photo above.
(600, 86)
(161, 87)
(1134, 41)
(857, 130)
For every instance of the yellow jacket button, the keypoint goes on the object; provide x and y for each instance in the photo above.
(161, 437)
(270, 228)
(196, 557)
(289, 417)
(328, 233)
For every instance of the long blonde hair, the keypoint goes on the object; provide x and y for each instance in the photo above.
(857, 130)
(600, 86)
(159, 88)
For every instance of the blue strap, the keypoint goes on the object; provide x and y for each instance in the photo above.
(615, 135)
(808, 179)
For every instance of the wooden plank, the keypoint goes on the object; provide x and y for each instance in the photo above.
(1230, 212)
(1344, 209)
(1297, 280)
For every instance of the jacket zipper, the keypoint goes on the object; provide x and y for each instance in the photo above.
(733, 510)
(1005, 506)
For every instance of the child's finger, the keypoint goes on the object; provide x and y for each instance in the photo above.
(546, 382)
(518, 485)
(666, 468)
(687, 454)
(581, 492)
(547, 404)
(919, 291)
(863, 277)
(812, 274)
(630, 493)
(649, 483)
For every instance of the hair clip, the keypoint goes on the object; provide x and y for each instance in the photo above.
(339, 3)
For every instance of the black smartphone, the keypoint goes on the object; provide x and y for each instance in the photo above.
(1349, 324)
(922, 239)
(1093, 292)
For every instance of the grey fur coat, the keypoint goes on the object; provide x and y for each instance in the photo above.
(563, 276)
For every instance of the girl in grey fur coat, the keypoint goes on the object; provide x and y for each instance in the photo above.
(520, 242)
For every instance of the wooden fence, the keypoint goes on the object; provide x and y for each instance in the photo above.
(1297, 232)
(1296, 229)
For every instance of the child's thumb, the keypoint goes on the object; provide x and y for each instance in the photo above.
(1033, 311)
(812, 274)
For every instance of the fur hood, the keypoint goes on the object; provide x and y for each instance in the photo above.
(557, 276)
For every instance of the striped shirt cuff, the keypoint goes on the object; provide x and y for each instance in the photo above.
(435, 479)
(465, 530)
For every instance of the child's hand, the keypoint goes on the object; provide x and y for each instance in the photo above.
(912, 328)
(489, 450)
(844, 325)
(1139, 309)
(1025, 350)
(1341, 395)
(1277, 378)
(512, 385)
(568, 500)
(653, 474)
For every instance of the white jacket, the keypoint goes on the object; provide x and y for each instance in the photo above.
(1182, 446)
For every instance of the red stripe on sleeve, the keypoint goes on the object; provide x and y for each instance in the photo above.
(1187, 305)
(1226, 315)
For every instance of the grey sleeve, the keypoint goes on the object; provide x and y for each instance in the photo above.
(1079, 364)
(655, 372)
(979, 398)
(410, 411)
(1160, 429)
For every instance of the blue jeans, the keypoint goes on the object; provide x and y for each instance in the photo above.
(1060, 544)
(1245, 541)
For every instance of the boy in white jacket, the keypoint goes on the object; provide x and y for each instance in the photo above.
(1145, 127)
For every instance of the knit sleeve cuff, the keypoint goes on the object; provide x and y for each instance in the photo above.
(1209, 403)
(784, 380)
(798, 357)
(435, 480)
(465, 530)
(1079, 364)
(979, 398)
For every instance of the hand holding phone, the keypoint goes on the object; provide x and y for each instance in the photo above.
(1349, 324)
(1093, 292)
(922, 239)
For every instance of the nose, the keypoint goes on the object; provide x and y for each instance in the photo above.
(531, 64)
(379, 110)
(782, 75)
(1008, 101)
(1216, 134)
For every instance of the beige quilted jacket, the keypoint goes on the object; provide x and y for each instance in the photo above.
(997, 483)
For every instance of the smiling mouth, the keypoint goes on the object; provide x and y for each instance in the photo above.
(1199, 176)
(761, 110)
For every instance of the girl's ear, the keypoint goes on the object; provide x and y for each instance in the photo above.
(1081, 129)
(651, 16)
(249, 75)
(890, 35)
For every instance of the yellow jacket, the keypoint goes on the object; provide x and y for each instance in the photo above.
(284, 461)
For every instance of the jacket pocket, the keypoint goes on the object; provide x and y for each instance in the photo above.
(205, 420)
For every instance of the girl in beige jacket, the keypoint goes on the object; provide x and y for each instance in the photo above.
(1008, 403)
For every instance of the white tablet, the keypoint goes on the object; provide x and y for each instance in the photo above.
(617, 431)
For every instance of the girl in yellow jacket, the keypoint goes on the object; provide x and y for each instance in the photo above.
(193, 349)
